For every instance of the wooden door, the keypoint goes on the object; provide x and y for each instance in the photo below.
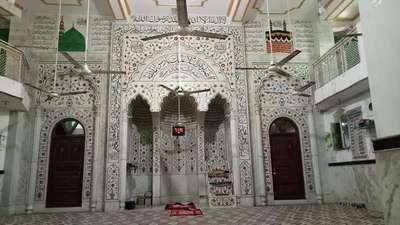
(65, 169)
(287, 168)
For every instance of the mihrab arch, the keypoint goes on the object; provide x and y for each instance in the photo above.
(205, 64)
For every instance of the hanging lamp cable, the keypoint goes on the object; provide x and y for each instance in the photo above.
(87, 30)
(56, 47)
(179, 73)
(290, 25)
(270, 32)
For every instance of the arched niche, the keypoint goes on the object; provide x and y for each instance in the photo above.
(286, 160)
(139, 151)
(53, 117)
(178, 154)
(298, 117)
(66, 164)
(217, 135)
(204, 64)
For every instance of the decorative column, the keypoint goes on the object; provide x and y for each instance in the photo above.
(34, 161)
(314, 152)
(13, 163)
(235, 155)
(201, 161)
(95, 157)
(156, 159)
(256, 143)
(123, 154)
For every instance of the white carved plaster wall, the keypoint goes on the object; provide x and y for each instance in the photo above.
(214, 56)
(83, 108)
(297, 108)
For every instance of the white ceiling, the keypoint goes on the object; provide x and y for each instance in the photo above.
(282, 7)
(235, 10)
(69, 7)
(195, 7)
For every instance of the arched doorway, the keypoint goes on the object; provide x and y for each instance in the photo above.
(67, 150)
(287, 166)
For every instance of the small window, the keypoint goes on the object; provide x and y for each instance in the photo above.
(69, 127)
(283, 126)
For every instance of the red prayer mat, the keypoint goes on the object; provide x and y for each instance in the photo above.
(183, 209)
(185, 212)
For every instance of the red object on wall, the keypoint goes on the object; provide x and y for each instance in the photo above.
(281, 40)
(178, 131)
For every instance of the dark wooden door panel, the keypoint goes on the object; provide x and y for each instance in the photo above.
(65, 171)
(287, 169)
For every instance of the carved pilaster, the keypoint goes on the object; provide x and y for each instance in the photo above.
(156, 158)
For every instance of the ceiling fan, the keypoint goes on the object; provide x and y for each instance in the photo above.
(276, 67)
(297, 91)
(52, 94)
(184, 29)
(300, 90)
(178, 91)
(83, 69)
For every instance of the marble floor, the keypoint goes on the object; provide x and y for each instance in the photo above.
(272, 215)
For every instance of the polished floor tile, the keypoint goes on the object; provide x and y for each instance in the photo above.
(271, 215)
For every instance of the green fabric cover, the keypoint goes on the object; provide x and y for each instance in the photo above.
(72, 41)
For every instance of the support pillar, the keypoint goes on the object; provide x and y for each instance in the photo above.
(95, 159)
(256, 144)
(34, 161)
(201, 161)
(123, 155)
(156, 159)
(235, 155)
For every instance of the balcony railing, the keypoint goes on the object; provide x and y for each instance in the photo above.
(340, 58)
(13, 63)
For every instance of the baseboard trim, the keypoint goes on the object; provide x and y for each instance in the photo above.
(386, 143)
(353, 163)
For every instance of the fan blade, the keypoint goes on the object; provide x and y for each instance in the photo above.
(159, 36)
(33, 46)
(37, 88)
(353, 35)
(198, 33)
(169, 89)
(301, 94)
(288, 58)
(181, 8)
(199, 91)
(251, 68)
(72, 60)
(68, 73)
(305, 87)
(73, 93)
(280, 71)
(276, 92)
(107, 71)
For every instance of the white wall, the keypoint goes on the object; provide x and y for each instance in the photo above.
(329, 117)
(352, 184)
(4, 121)
(380, 20)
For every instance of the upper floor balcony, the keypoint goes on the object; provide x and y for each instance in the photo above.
(14, 71)
(10, 8)
(341, 73)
